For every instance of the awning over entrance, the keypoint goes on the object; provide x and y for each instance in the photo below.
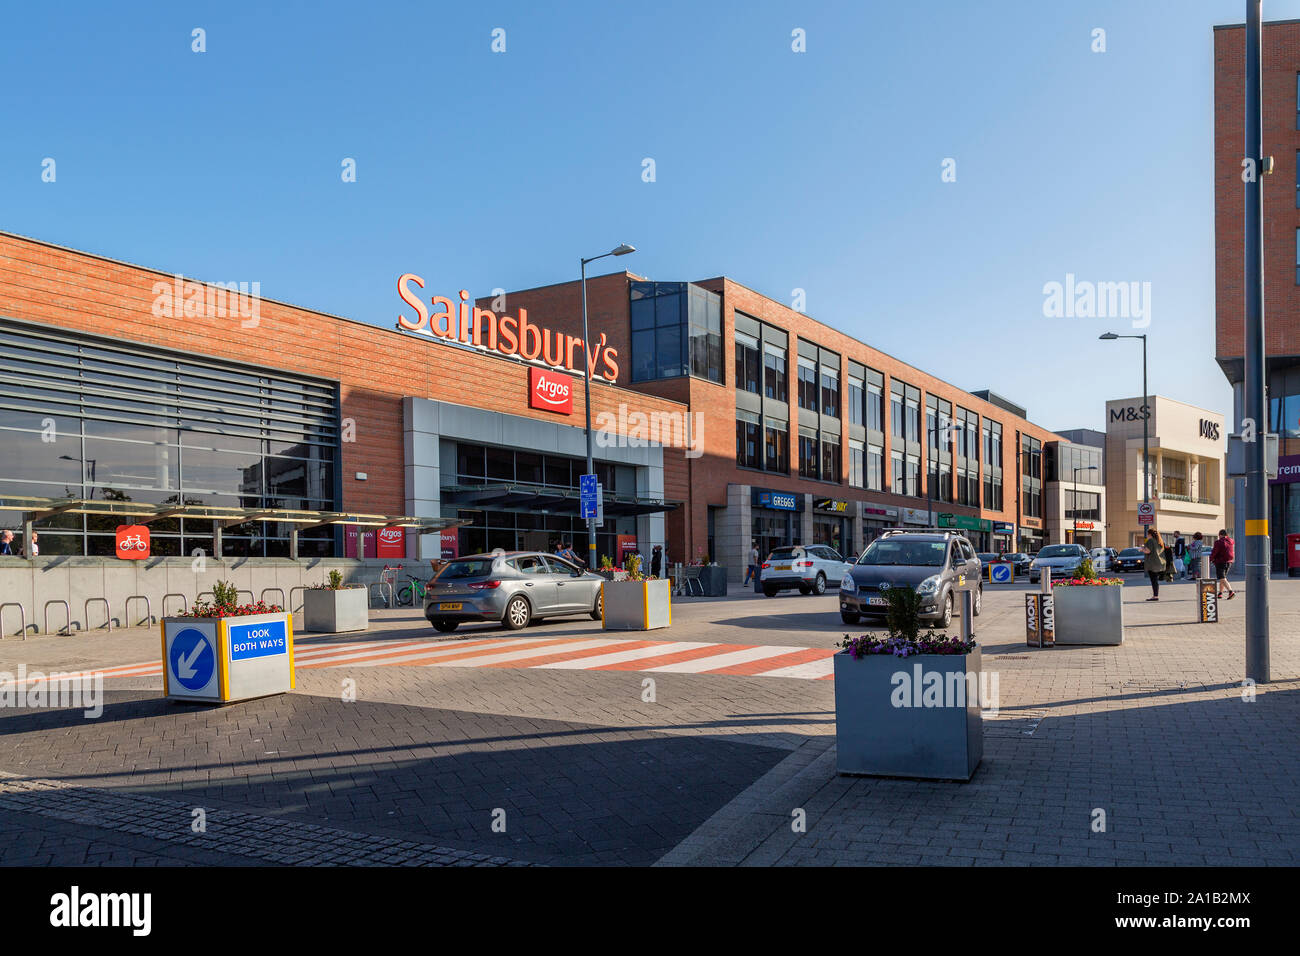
(36, 509)
(546, 498)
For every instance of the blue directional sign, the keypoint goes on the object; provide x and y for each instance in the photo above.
(192, 659)
(265, 639)
(1001, 572)
(588, 496)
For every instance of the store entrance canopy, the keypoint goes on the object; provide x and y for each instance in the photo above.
(36, 509)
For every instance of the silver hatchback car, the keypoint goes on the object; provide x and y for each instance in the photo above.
(512, 587)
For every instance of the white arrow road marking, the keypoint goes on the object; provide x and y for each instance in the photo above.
(185, 666)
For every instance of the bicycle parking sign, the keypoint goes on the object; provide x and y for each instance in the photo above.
(133, 541)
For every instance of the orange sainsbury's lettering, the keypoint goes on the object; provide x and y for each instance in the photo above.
(461, 321)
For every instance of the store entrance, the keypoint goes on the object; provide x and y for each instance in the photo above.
(771, 529)
(832, 532)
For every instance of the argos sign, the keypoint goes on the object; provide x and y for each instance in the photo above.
(466, 324)
(392, 543)
(550, 391)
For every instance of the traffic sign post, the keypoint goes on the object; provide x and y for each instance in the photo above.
(600, 505)
(1002, 572)
(589, 496)
(1146, 513)
(222, 660)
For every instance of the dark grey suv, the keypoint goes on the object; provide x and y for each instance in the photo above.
(938, 565)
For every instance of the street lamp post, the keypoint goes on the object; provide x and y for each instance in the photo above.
(1146, 415)
(620, 250)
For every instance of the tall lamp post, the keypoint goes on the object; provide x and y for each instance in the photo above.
(1146, 415)
(620, 250)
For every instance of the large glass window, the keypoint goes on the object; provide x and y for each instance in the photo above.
(831, 464)
(857, 465)
(809, 457)
(82, 416)
(774, 372)
(807, 384)
(898, 477)
(776, 446)
(897, 426)
(747, 363)
(748, 452)
(875, 408)
(857, 401)
(671, 338)
(830, 391)
(875, 468)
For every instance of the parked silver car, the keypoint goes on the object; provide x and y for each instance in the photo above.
(513, 587)
(1058, 560)
(809, 568)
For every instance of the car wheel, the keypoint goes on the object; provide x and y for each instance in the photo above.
(979, 600)
(518, 613)
(598, 610)
(946, 621)
(819, 586)
(446, 627)
(770, 592)
(848, 617)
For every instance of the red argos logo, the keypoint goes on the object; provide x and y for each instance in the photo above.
(550, 391)
(392, 543)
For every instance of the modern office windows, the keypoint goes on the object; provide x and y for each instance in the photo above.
(774, 372)
(748, 439)
(913, 419)
(857, 465)
(898, 427)
(875, 407)
(748, 363)
(857, 401)
(830, 390)
(831, 464)
(676, 331)
(913, 475)
(776, 446)
(898, 477)
(875, 468)
(705, 318)
(809, 455)
(807, 384)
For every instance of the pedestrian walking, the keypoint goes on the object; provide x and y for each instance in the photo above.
(656, 560)
(751, 569)
(1221, 556)
(1195, 551)
(1180, 553)
(1154, 562)
(1168, 572)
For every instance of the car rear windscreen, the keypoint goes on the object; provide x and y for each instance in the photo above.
(467, 569)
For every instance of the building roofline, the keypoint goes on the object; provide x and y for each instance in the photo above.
(1242, 26)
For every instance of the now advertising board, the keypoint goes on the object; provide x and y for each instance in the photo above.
(1040, 620)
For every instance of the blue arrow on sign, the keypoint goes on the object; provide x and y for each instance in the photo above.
(192, 659)
(587, 496)
(1000, 573)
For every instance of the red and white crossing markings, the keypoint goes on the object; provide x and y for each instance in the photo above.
(576, 653)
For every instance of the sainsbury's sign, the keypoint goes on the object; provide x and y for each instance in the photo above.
(466, 324)
(550, 391)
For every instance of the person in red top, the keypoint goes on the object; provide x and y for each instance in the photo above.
(1221, 556)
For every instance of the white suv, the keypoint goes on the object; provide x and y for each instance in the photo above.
(806, 567)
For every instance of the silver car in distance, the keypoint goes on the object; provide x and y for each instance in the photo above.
(511, 587)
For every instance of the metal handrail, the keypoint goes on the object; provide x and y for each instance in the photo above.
(148, 610)
(265, 591)
(296, 587)
(108, 611)
(211, 594)
(184, 601)
(239, 591)
(67, 615)
(22, 617)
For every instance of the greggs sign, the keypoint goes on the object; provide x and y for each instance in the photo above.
(465, 323)
(550, 391)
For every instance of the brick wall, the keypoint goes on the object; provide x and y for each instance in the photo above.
(1281, 62)
(375, 367)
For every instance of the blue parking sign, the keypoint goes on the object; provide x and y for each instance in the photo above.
(587, 496)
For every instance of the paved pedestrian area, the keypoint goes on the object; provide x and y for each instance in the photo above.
(1147, 753)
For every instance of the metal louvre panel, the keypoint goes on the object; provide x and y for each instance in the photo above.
(89, 378)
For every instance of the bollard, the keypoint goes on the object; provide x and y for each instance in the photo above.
(1045, 581)
(967, 614)
(1205, 567)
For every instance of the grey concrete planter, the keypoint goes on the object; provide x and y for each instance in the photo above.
(636, 605)
(334, 612)
(887, 726)
(1089, 614)
(713, 579)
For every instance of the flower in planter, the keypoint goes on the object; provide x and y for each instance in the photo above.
(859, 647)
(1089, 582)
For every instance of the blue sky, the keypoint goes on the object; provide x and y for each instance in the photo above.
(818, 171)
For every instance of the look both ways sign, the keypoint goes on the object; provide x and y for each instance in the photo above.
(223, 660)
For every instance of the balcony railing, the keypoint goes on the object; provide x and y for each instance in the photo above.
(1187, 498)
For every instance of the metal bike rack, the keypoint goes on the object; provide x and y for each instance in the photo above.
(67, 615)
(239, 591)
(381, 585)
(108, 611)
(208, 593)
(266, 591)
(296, 587)
(22, 617)
(148, 610)
(172, 594)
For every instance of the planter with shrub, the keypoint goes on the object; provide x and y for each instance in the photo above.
(908, 705)
(1089, 609)
(638, 603)
(335, 607)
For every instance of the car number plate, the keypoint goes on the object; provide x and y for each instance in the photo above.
(878, 601)
(780, 567)
(453, 606)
